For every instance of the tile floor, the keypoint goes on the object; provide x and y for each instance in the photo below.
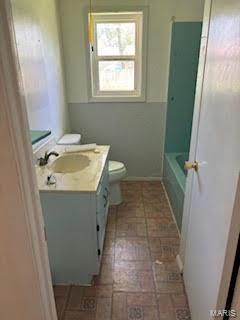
(132, 286)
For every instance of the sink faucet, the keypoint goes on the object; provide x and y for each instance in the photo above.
(44, 160)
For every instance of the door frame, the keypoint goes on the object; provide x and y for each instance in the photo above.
(13, 111)
(230, 252)
(235, 223)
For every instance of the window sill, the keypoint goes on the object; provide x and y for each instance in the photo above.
(116, 99)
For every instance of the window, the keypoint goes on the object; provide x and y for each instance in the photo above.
(116, 56)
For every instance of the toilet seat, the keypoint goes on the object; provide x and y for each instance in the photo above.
(117, 171)
(115, 165)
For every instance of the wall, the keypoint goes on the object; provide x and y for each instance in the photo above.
(135, 130)
(186, 37)
(39, 50)
(24, 256)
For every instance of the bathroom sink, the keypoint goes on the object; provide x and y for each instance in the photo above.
(69, 163)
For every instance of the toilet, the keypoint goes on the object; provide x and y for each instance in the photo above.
(117, 170)
(69, 139)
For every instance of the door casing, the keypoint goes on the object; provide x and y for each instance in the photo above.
(24, 259)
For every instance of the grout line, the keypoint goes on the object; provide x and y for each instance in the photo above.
(151, 259)
(113, 262)
(66, 303)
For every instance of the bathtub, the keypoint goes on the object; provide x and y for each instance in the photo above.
(174, 179)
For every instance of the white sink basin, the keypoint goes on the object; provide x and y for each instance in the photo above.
(69, 163)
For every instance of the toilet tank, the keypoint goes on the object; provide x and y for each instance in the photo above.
(68, 139)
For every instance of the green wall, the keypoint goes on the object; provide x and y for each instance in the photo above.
(185, 46)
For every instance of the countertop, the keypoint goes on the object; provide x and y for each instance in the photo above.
(86, 180)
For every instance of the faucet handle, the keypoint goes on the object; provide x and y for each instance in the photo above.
(41, 161)
(51, 179)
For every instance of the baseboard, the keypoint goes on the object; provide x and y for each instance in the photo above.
(171, 209)
(179, 263)
(133, 178)
(178, 258)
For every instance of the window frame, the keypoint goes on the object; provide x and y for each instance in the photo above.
(138, 94)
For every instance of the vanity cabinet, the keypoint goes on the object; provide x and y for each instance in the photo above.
(75, 225)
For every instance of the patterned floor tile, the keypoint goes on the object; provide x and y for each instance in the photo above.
(75, 299)
(61, 291)
(131, 196)
(119, 308)
(79, 315)
(128, 210)
(106, 274)
(104, 307)
(157, 211)
(168, 278)
(131, 227)
(132, 249)
(109, 244)
(131, 285)
(60, 306)
(88, 304)
(163, 249)
(161, 227)
(135, 312)
(99, 291)
(183, 314)
(166, 310)
(133, 185)
(111, 223)
(134, 306)
(179, 300)
(134, 276)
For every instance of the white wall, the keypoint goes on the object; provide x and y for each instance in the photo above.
(39, 49)
(26, 288)
(73, 19)
(160, 12)
(133, 130)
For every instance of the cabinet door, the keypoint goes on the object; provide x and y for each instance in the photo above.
(102, 206)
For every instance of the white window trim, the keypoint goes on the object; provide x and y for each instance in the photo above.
(139, 95)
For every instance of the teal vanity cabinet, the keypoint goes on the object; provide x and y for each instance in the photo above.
(75, 225)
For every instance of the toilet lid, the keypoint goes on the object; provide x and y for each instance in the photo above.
(72, 138)
(115, 165)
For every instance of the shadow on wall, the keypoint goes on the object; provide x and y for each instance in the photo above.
(133, 130)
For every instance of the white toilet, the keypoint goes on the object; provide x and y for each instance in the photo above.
(117, 170)
(72, 138)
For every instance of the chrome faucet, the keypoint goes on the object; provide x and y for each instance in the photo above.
(44, 160)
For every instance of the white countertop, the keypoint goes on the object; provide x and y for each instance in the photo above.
(86, 180)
